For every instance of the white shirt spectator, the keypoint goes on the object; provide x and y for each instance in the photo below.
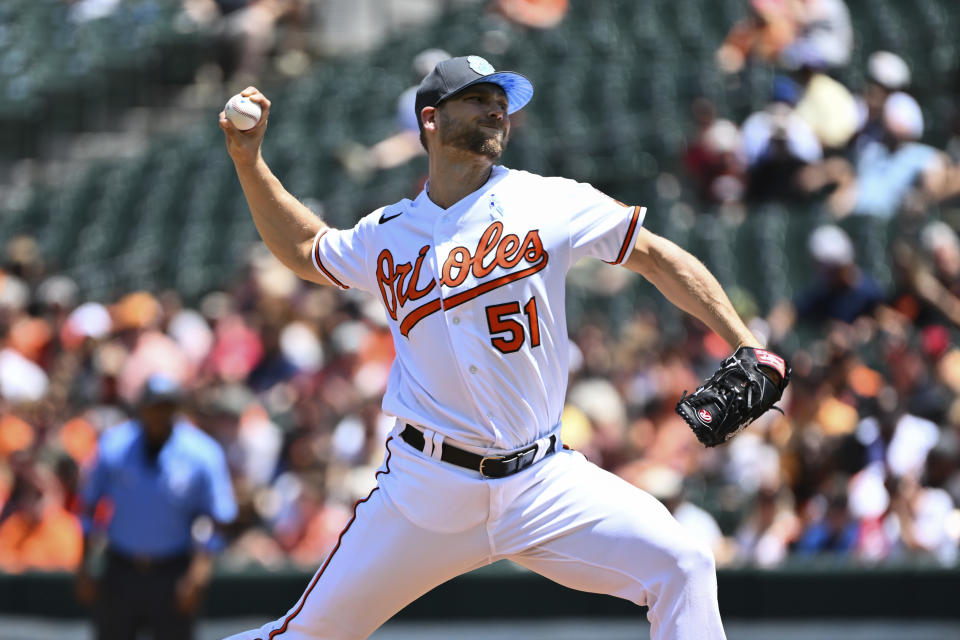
(912, 440)
(826, 35)
(760, 128)
(20, 379)
(933, 510)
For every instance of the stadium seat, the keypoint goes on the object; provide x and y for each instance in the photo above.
(614, 83)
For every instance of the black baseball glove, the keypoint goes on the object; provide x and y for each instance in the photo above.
(745, 386)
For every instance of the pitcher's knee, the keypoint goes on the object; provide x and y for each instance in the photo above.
(695, 562)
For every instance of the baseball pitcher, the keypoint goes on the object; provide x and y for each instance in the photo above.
(471, 275)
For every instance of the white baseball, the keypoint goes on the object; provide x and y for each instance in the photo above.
(242, 112)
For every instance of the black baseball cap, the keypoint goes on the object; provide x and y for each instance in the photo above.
(454, 75)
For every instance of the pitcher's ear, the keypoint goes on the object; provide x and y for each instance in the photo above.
(428, 118)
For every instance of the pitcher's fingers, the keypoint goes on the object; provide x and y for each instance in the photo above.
(249, 91)
(225, 123)
(263, 101)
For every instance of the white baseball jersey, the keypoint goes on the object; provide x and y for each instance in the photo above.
(475, 297)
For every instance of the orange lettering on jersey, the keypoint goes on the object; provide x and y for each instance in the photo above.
(412, 292)
(386, 276)
(419, 314)
(455, 269)
(507, 252)
(493, 250)
(533, 247)
(488, 244)
(390, 279)
(402, 271)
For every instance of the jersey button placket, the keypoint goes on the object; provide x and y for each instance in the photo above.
(445, 238)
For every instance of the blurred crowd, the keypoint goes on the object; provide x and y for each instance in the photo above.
(866, 463)
(858, 148)
(863, 466)
(260, 38)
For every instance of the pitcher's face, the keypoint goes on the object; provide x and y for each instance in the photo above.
(476, 121)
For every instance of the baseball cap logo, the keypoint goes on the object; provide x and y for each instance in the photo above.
(480, 65)
(705, 416)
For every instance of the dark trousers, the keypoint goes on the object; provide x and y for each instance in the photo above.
(137, 600)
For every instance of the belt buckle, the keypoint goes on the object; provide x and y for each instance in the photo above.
(484, 460)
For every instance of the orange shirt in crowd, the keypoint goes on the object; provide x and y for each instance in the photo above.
(53, 544)
(762, 36)
(540, 14)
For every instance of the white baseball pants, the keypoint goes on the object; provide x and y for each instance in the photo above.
(565, 518)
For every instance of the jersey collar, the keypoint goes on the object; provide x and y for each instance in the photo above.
(423, 202)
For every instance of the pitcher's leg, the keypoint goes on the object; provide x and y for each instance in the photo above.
(381, 563)
(610, 537)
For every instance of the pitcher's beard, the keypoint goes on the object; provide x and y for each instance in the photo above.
(473, 139)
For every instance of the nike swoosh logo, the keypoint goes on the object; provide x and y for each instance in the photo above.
(385, 218)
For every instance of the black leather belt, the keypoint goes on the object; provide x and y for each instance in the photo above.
(488, 466)
(148, 563)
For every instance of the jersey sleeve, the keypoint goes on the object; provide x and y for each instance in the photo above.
(341, 256)
(599, 226)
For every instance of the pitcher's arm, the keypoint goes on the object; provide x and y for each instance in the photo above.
(689, 285)
(286, 226)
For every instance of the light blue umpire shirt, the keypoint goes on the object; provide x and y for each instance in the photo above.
(155, 502)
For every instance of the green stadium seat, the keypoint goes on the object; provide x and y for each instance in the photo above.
(614, 86)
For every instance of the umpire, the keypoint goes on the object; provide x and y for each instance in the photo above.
(161, 478)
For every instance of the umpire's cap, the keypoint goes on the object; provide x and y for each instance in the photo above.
(452, 76)
(160, 389)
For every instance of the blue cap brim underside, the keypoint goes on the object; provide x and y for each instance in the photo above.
(519, 90)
